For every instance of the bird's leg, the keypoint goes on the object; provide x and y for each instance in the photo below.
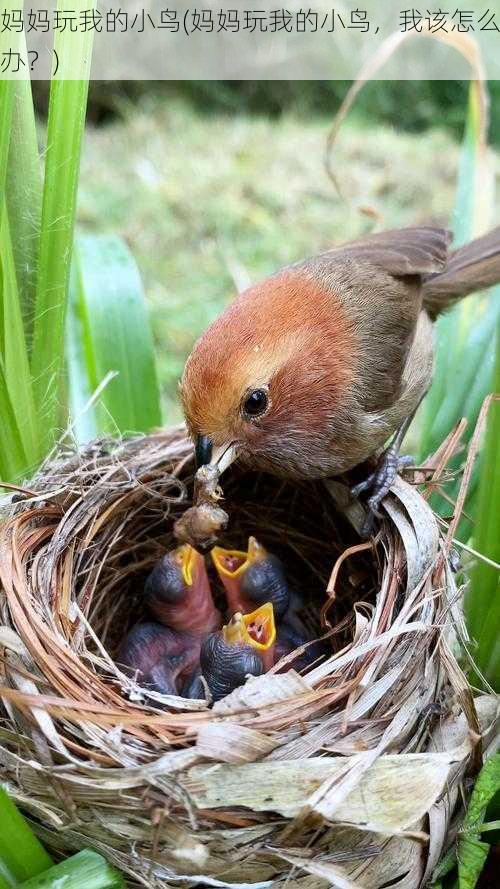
(379, 482)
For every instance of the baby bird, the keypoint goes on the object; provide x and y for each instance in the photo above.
(166, 655)
(238, 651)
(310, 372)
(178, 593)
(162, 659)
(258, 576)
(251, 578)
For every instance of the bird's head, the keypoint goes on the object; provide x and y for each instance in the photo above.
(262, 382)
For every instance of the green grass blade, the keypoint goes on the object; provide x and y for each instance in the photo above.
(67, 108)
(469, 175)
(22, 856)
(5, 881)
(85, 870)
(483, 597)
(24, 197)
(471, 850)
(6, 102)
(13, 352)
(470, 371)
(82, 412)
(12, 456)
(109, 318)
(443, 403)
(465, 335)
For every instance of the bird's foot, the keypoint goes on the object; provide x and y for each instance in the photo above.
(378, 484)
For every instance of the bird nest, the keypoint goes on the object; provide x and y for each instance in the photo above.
(349, 774)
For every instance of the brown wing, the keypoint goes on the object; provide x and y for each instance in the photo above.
(421, 250)
(472, 267)
(378, 279)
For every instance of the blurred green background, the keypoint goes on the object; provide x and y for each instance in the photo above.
(216, 184)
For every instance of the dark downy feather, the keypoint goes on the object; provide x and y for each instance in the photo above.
(265, 581)
(227, 666)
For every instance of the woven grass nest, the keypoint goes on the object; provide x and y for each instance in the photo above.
(351, 775)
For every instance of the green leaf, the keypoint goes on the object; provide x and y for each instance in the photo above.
(465, 335)
(473, 854)
(82, 411)
(6, 90)
(109, 333)
(450, 326)
(471, 851)
(15, 364)
(5, 880)
(443, 868)
(21, 855)
(483, 597)
(470, 369)
(86, 870)
(67, 107)
(24, 197)
(12, 456)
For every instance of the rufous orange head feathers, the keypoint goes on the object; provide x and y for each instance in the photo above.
(261, 382)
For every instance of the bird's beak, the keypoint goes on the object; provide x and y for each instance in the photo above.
(203, 450)
(231, 565)
(223, 456)
(260, 627)
(191, 562)
(257, 629)
(194, 610)
(219, 458)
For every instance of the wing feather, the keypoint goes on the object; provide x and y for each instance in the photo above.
(421, 250)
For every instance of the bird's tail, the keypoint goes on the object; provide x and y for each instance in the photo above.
(473, 267)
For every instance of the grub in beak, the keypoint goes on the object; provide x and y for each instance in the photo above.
(200, 524)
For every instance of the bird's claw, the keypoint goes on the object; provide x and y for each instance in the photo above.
(363, 485)
(379, 483)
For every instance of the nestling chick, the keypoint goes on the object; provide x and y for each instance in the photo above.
(252, 578)
(162, 659)
(239, 650)
(178, 592)
(309, 373)
(258, 576)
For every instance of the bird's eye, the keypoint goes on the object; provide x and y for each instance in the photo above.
(256, 403)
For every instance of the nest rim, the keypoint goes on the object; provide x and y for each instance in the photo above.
(60, 560)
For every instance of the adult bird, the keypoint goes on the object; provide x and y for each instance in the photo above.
(311, 372)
